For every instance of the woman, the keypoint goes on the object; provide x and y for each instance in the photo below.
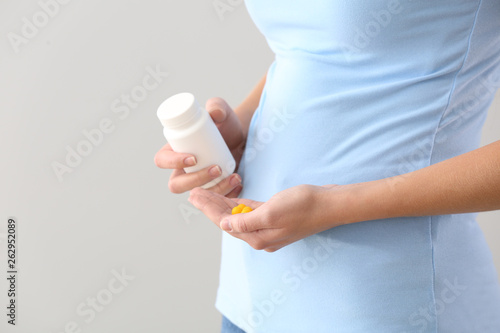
(361, 162)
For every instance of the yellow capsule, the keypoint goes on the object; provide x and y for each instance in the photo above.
(246, 210)
(238, 209)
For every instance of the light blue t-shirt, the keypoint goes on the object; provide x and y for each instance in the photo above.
(359, 91)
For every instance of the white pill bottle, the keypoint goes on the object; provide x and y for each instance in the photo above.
(189, 129)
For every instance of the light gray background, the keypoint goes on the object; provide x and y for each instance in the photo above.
(114, 210)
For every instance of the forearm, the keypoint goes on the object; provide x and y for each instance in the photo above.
(247, 108)
(463, 184)
(467, 183)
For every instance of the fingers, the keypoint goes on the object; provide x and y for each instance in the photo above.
(235, 192)
(213, 205)
(250, 203)
(218, 109)
(218, 115)
(228, 185)
(181, 182)
(262, 239)
(253, 228)
(245, 223)
(166, 158)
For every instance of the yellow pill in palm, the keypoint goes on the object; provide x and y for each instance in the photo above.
(246, 210)
(238, 209)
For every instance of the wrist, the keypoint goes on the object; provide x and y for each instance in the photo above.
(346, 204)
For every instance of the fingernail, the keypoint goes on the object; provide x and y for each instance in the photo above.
(215, 171)
(190, 160)
(235, 180)
(221, 111)
(226, 225)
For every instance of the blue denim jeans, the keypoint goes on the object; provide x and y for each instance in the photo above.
(229, 327)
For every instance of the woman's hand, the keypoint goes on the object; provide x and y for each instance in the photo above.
(289, 216)
(230, 127)
(463, 184)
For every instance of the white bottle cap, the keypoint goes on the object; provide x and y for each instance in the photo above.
(178, 110)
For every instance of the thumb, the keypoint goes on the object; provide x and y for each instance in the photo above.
(244, 223)
(218, 109)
